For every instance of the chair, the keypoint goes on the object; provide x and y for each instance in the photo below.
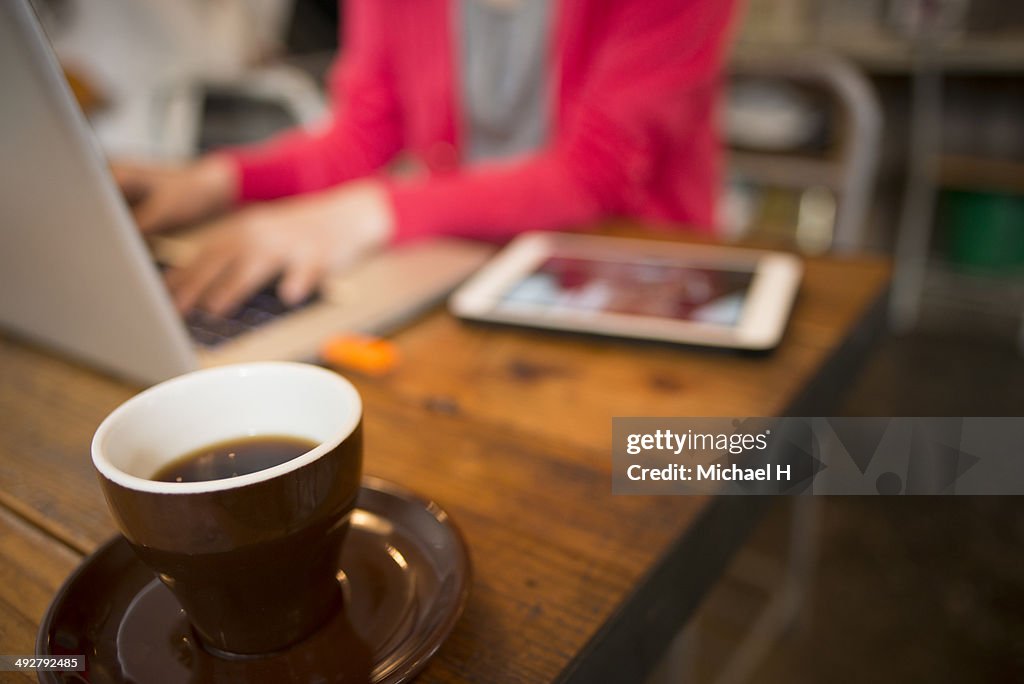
(850, 173)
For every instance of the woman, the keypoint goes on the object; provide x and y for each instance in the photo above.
(522, 114)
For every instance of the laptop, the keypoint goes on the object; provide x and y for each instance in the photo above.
(76, 275)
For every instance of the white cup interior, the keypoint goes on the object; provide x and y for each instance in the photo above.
(209, 406)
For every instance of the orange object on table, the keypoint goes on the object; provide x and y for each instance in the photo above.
(363, 353)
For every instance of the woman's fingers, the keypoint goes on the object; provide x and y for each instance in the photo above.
(301, 277)
(188, 285)
(149, 191)
(132, 179)
(165, 196)
(304, 238)
(156, 211)
(240, 281)
(139, 184)
(236, 259)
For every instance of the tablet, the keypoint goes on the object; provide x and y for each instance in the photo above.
(647, 289)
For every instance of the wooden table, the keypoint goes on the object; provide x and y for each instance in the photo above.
(510, 431)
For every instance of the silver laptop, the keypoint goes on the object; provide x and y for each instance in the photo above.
(76, 275)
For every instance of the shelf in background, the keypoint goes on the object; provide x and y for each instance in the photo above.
(883, 53)
(983, 174)
(779, 170)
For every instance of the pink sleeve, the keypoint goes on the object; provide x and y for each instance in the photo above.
(648, 85)
(360, 135)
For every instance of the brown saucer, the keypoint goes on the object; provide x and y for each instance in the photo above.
(405, 577)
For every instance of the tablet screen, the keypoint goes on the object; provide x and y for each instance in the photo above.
(649, 288)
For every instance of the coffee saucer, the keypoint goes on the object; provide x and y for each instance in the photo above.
(404, 572)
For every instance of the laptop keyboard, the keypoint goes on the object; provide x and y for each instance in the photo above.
(209, 330)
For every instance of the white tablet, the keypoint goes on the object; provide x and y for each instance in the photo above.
(648, 289)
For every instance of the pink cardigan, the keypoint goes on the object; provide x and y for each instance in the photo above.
(632, 134)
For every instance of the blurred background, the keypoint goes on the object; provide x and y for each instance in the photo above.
(899, 589)
(883, 125)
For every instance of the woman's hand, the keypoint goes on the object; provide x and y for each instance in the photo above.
(301, 239)
(164, 197)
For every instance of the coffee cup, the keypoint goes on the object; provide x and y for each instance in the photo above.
(251, 559)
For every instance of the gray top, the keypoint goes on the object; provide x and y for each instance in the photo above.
(503, 60)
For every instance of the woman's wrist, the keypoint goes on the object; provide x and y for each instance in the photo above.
(383, 213)
(217, 179)
(366, 204)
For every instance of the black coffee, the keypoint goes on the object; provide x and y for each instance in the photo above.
(233, 458)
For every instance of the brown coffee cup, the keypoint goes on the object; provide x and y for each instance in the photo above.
(252, 559)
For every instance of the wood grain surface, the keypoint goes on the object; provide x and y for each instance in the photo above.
(509, 430)
(32, 566)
